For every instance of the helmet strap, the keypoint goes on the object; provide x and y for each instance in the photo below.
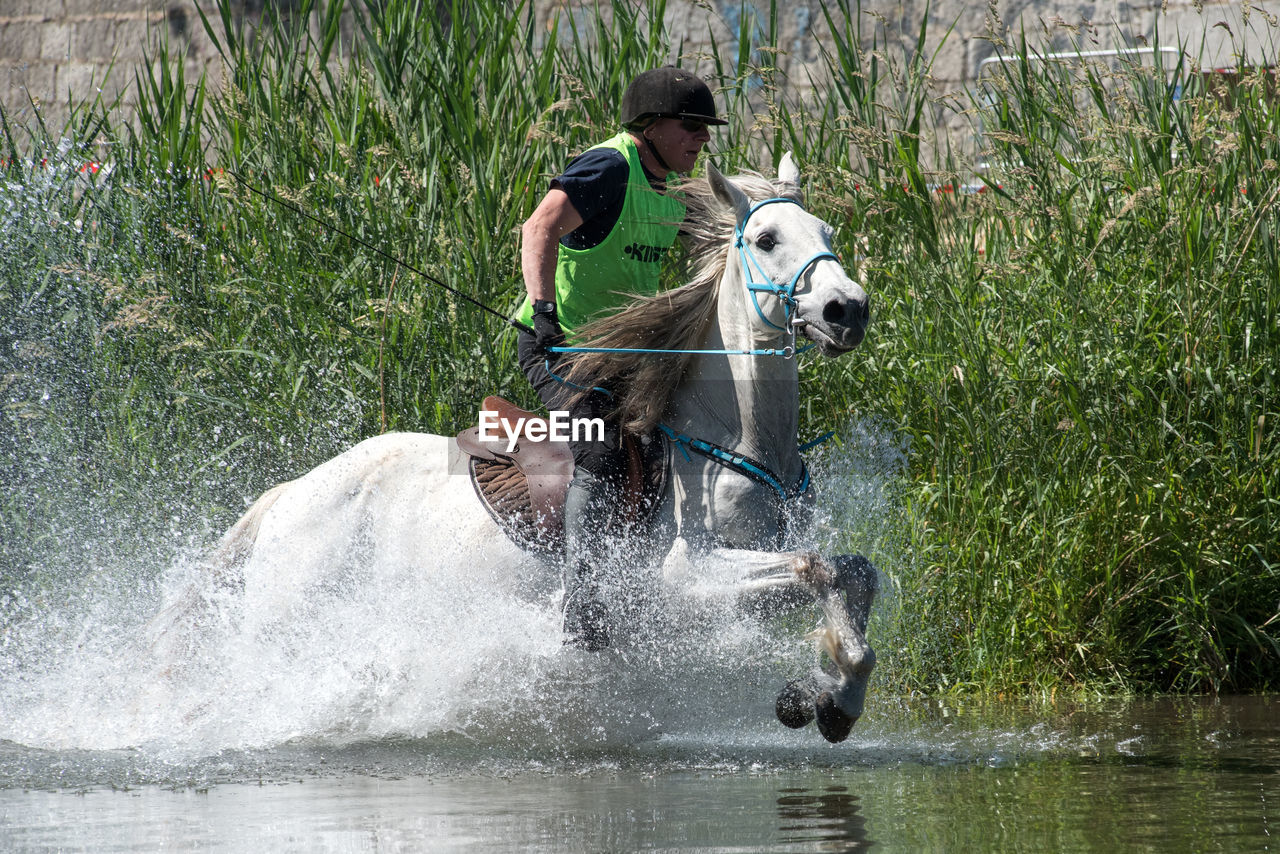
(654, 151)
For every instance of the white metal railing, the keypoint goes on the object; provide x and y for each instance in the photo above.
(1078, 54)
(1105, 53)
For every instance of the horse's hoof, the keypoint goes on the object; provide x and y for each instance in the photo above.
(833, 722)
(855, 570)
(795, 704)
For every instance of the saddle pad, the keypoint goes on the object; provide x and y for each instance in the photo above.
(503, 489)
(504, 492)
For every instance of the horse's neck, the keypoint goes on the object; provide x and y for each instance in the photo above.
(749, 404)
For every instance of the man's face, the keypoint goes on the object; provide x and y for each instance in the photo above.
(679, 141)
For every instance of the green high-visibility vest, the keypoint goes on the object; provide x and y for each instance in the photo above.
(594, 282)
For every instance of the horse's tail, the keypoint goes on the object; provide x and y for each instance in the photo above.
(189, 617)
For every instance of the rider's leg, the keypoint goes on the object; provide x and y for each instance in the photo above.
(591, 498)
(589, 506)
(586, 510)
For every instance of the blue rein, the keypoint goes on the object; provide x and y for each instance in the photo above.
(740, 463)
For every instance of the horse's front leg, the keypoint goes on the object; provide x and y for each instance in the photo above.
(762, 583)
(769, 582)
(835, 695)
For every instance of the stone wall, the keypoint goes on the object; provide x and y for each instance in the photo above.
(51, 50)
(56, 51)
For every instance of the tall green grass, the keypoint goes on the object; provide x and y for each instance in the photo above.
(1082, 360)
(1085, 360)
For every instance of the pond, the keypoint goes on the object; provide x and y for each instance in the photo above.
(1166, 774)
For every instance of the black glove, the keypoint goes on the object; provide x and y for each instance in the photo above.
(546, 332)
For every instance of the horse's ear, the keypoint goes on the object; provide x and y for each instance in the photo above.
(788, 172)
(728, 192)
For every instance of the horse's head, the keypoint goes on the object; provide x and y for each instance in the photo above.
(794, 278)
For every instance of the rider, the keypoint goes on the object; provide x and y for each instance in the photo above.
(597, 238)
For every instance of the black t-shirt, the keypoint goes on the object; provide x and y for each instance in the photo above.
(596, 184)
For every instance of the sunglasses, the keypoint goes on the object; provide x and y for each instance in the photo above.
(693, 125)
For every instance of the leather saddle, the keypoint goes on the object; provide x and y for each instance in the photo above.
(524, 488)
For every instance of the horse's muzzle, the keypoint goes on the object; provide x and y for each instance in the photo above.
(844, 322)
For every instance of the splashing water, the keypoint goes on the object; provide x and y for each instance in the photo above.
(448, 650)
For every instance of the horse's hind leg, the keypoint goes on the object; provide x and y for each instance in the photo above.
(185, 622)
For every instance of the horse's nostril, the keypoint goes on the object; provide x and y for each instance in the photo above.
(841, 313)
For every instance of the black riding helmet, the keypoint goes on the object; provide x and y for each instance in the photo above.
(668, 93)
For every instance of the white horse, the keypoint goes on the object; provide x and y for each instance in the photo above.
(737, 481)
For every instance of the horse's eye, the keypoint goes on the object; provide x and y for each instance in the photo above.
(765, 242)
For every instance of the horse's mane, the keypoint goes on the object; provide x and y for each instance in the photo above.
(676, 319)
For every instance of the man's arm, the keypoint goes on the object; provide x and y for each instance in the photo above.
(554, 217)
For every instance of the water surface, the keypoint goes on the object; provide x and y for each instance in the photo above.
(1153, 775)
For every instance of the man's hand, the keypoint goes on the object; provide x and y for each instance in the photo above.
(547, 332)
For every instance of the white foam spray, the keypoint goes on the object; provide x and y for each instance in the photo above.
(446, 648)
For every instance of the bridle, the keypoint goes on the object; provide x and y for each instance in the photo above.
(785, 294)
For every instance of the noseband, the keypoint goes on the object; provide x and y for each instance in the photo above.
(786, 294)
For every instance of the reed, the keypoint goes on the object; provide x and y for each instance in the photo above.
(1081, 362)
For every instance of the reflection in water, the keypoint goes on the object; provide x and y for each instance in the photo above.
(829, 817)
